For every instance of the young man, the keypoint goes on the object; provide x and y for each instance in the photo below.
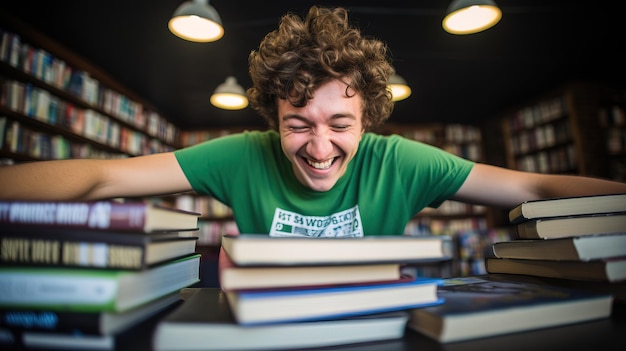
(321, 86)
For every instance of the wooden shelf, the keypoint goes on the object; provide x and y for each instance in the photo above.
(45, 85)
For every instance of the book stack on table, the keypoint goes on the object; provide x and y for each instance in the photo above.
(74, 275)
(297, 292)
(576, 241)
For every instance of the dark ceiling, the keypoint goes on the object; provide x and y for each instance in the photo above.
(538, 45)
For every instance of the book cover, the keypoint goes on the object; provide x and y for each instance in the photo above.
(233, 277)
(84, 323)
(601, 270)
(559, 227)
(100, 215)
(568, 206)
(93, 290)
(582, 248)
(266, 306)
(262, 249)
(483, 306)
(204, 321)
(52, 246)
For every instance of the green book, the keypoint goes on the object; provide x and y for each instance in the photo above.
(93, 290)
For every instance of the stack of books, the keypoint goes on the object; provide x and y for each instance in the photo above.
(577, 240)
(76, 274)
(296, 292)
(566, 265)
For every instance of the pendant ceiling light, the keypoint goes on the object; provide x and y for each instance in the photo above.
(196, 21)
(229, 95)
(400, 90)
(471, 16)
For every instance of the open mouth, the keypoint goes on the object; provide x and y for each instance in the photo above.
(321, 165)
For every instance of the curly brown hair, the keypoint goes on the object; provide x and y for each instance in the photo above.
(302, 54)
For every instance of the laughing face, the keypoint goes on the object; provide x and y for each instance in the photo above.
(322, 137)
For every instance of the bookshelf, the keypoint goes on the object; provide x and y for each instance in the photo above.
(612, 116)
(55, 105)
(557, 132)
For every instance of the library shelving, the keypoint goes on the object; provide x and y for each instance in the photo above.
(216, 219)
(612, 116)
(557, 132)
(55, 104)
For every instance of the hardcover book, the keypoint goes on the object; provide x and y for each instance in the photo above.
(101, 215)
(205, 322)
(262, 249)
(84, 323)
(559, 227)
(601, 270)
(93, 290)
(581, 248)
(36, 246)
(568, 206)
(266, 306)
(483, 306)
(233, 277)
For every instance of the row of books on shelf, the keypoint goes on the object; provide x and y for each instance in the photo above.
(451, 207)
(444, 226)
(75, 275)
(18, 139)
(443, 134)
(543, 112)
(192, 137)
(474, 245)
(612, 116)
(208, 206)
(616, 141)
(39, 104)
(55, 72)
(541, 137)
(560, 159)
(210, 232)
(468, 151)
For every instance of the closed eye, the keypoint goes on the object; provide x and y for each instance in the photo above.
(299, 129)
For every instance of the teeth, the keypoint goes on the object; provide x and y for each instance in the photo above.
(320, 165)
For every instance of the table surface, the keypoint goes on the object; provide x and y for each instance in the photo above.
(605, 334)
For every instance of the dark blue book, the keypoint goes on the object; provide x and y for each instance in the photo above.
(267, 306)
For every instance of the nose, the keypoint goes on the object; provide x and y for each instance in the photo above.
(320, 145)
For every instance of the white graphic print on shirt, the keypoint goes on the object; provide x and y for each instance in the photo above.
(341, 224)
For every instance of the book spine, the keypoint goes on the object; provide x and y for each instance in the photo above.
(58, 289)
(86, 215)
(71, 253)
(50, 321)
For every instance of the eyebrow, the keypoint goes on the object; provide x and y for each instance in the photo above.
(304, 119)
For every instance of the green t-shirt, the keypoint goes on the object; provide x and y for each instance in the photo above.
(390, 179)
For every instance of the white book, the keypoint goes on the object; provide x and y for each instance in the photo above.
(205, 322)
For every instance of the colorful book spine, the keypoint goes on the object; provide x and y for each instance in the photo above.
(101, 215)
(85, 248)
